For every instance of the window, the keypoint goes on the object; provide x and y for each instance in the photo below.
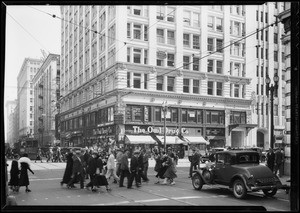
(171, 14)
(186, 40)
(267, 54)
(160, 12)
(276, 56)
(137, 113)
(196, 86)
(262, 53)
(210, 65)
(210, 87)
(128, 54)
(137, 55)
(187, 18)
(262, 16)
(219, 88)
(186, 62)
(256, 15)
(160, 36)
(186, 85)
(171, 83)
(267, 109)
(137, 10)
(236, 90)
(257, 71)
(137, 31)
(210, 44)
(196, 63)
(146, 33)
(262, 90)
(266, 18)
(219, 24)
(220, 45)
(196, 20)
(267, 35)
(237, 117)
(282, 57)
(159, 82)
(262, 71)
(262, 35)
(157, 114)
(191, 116)
(137, 81)
(171, 37)
(236, 49)
(174, 115)
(275, 38)
(196, 42)
(236, 28)
(170, 61)
(128, 30)
(219, 67)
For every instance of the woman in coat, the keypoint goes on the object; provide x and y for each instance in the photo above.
(14, 174)
(68, 171)
(161, 167)
(170, 173)
(25, 165)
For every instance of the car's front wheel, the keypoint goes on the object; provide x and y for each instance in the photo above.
(197, 181)
(270, 192)
(239, 189)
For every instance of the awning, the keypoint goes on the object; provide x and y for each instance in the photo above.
(195, 140)
(170, 140)
(139, 139)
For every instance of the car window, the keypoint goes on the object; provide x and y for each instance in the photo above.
(248, 158)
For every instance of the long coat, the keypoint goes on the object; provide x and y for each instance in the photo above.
(93, 164)
(14, 173)
(24, 180)
(69, 168)
(77, 165)
(171, 170)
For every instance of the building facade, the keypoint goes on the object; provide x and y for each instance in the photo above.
(25, 97)
(119, 64)
(11, 133)
(46, 93)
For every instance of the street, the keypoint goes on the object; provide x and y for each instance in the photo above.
(46, 190)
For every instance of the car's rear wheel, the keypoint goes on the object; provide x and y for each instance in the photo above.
(197, 181)
(270, 192)
(239, 189)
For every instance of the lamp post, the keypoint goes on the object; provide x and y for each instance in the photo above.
(272, 89)
(165, 108)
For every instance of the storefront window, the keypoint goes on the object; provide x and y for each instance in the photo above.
(93, 119)
(215, 117)
(157, 114)
(174, 115)
(184, 115)
(137, 113)
(191, 116)
(199, 116)
(80, 122)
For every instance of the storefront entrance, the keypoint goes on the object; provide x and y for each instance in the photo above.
(237, 138)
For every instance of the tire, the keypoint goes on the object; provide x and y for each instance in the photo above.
(197, 181)
(270, 193)
(239, 189)
(208, 176)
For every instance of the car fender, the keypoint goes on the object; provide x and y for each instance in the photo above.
(200, 172)
(239, 176)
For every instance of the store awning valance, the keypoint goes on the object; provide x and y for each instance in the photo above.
(195, 139)
(139, 139)
(170, 140)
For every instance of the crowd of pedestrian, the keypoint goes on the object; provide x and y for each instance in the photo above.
(275, 161)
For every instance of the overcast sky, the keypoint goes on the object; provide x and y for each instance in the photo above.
(28, 30)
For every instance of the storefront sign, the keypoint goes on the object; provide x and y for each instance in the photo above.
(158, 130)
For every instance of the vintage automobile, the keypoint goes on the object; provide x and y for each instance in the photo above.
(209, 156)
(240, 171)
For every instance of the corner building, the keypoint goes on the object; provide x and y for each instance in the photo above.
(119, 64)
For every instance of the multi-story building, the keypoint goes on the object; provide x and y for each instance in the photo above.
(46, 94)
(25, 96)
(266, 54)
(11, 135)
(119, 64)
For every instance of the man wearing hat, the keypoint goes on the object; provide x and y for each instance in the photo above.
(134, 169)
(77, 172)
(194, 161)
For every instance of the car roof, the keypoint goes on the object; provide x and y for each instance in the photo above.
(237, 151)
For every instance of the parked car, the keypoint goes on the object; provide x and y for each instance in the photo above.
(240, 171)
(210, 155)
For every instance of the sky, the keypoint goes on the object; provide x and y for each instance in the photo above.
(28, 31)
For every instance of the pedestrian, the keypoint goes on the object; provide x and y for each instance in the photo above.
(58, 153)
(39, 155)
(25, 165)
(85, 158)
(140, 174)
(111, 167)
(146, 156)
(50, 155)
(95, 170)
(134, 170)
(194, 161)
(163, 168)
(124, 169)
(14, 174)
(118, 159)
(278, 162)
(68, 171)
(170, 173)
(158, 164)
(77, 172)
(270, 159)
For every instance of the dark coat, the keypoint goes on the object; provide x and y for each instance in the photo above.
(270, 160)
(14, 174)
(141, 161)
(134, 164)
(278, 157)
(24, 180)
(195, 158)
(69, 168)
(93, 164)
(77, 165)
(124, 162)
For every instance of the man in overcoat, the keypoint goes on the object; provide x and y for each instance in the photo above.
(78, 172)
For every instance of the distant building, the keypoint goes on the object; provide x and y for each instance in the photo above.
(46, 94)
(10, 123)
(25, 96)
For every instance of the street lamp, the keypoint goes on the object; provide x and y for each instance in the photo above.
(165, 108)
(272, 89)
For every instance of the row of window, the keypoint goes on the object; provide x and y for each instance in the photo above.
(265, 109)
(266, 55)
(262, 16)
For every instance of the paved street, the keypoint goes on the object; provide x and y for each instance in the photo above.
(46, 190)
